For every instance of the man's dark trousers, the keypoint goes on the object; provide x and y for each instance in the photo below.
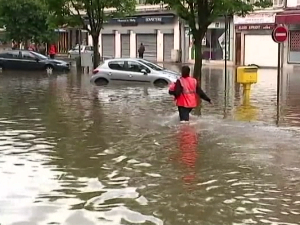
(184, 113)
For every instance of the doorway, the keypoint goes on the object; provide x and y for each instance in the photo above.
(238, 48)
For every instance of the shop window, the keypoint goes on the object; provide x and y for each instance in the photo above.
(141, 2)
(294, 47)
(213, 48)
(277, 3)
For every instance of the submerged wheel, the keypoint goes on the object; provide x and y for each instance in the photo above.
(49, 69)
(161, 83)
(101, 81)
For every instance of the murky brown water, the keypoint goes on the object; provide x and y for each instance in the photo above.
(71, 153)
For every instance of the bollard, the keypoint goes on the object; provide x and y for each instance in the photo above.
(246, 94)
(247, 75)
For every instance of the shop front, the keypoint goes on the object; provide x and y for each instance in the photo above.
(67, 38)
(213, 44)
(253, 40)
(160, 34)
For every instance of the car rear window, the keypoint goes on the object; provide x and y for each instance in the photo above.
(116, 65)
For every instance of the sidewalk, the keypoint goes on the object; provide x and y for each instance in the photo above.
(205, 63)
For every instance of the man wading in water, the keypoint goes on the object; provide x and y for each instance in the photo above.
(187, 93)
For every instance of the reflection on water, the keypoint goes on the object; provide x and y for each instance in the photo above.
(72, 154)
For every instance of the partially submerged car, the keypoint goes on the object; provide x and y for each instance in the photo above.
(132, 70)
(30, 60)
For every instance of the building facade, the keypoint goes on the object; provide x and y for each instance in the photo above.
(253, 36)
(253, 39)
(159, 32)
(290, 17)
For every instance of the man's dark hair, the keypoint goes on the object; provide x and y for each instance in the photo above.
(185, 71)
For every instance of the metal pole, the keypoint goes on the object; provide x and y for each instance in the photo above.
(79, 44)
(278, 82)
(226, 27)
(225, 94)
(210, 54)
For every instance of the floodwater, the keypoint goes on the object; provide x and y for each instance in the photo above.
(71, 153)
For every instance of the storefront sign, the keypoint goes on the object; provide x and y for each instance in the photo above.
(246, 27)
(255, 18)
(142, 20)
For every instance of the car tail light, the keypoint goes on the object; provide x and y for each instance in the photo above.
(95, 71)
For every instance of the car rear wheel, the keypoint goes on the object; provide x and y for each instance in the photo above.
(101, 82)
(161, 83)
(49, 69)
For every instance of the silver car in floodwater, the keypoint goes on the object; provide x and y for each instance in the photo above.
(132, 70)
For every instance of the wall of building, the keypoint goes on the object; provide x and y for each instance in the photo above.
(134, 29)
(253, 39)
(291, 48)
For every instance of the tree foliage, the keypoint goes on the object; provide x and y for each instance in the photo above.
(199, 14)
(25, 20)
(89, 15)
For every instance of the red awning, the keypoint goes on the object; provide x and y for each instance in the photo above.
(288, 17)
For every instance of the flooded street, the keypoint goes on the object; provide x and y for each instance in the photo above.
(72, 153)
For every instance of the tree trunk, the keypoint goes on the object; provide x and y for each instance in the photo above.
(96, 61)
(26, 45)
(198, 64)
(198, 60)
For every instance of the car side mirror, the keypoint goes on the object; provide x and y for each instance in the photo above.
(144, 71)
(37, 59)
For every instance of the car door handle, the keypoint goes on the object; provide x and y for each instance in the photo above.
(109, 74)
(130, 75)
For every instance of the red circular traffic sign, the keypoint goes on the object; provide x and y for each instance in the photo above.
(280, 34)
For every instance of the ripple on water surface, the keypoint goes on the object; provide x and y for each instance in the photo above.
(118, 158)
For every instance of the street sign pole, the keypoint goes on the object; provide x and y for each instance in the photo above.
(278, 81)
(225, 53)
(279, 35)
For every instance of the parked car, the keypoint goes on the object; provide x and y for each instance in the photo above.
(74, 52)
(30, 60)
(132, 70)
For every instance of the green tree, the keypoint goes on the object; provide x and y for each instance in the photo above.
(199, 14)
(89, 15)
(25, 20)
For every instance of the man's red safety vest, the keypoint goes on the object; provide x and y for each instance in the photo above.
(189, 97)
(172, 87)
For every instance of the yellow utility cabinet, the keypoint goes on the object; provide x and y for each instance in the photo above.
(247, 74)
